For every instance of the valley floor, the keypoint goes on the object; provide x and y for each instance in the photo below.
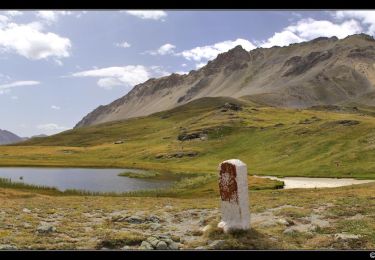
(333, 218)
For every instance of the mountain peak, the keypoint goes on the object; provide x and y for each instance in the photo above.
(235, 55)
(323, 71)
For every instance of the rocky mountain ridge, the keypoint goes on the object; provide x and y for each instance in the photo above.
(323, 71)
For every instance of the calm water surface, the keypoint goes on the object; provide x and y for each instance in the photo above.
(96, 180)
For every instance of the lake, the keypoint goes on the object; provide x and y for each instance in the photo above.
(308, 183)
(95, 180)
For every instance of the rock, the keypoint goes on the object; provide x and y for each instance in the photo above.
(201, 248)
(231, 106)
(8, 247)
(160, 242)
(146, 246)
(346, 236)
(155, 226)
(161, 245)
(119, 142)
(204, 137)
(126, 248)
(171, 244)
(282, 221)
(153, 241)
(159, 156)
(289, 231)
(45, 228)
(134, 220)
(153, 219)
(217, 244)
(25, 210)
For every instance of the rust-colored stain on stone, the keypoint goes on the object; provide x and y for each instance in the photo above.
(227, 183)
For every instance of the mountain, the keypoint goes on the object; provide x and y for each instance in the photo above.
(323, 71)
(7, 137)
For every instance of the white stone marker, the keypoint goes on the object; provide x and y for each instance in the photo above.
(234, 194)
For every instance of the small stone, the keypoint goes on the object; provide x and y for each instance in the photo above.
(25, 210)
(126, 248)
(282, 221)
(161, 245)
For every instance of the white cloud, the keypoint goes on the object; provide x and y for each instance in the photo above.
(52, 16)
(166, 49)
(122, 76)
(122, 44)
(366, 17)
(15, 84)
(200, 65)
(163, 50)
(153, 15)
(51, 127)
(54, 107)
(183, 65)
(14, 97)
(14, 13)
(282, 39)
(3, 20)
(29, 41)
(308, 29)
(209, 52)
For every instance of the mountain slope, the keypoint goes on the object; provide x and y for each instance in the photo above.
(7, 137)
(324, 71)
(195, 137)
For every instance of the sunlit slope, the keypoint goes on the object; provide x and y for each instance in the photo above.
(286, 142)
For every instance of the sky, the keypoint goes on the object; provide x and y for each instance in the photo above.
(57, 66)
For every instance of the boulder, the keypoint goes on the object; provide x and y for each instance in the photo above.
(230, 106)
(161, 245)
(160, 242)
(45, 228)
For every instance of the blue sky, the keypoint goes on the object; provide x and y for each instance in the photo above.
(57, 66)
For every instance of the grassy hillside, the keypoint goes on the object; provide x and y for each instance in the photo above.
(272, 141)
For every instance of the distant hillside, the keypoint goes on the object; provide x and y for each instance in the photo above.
(324, 71)
(195, 137)
(7, 137)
